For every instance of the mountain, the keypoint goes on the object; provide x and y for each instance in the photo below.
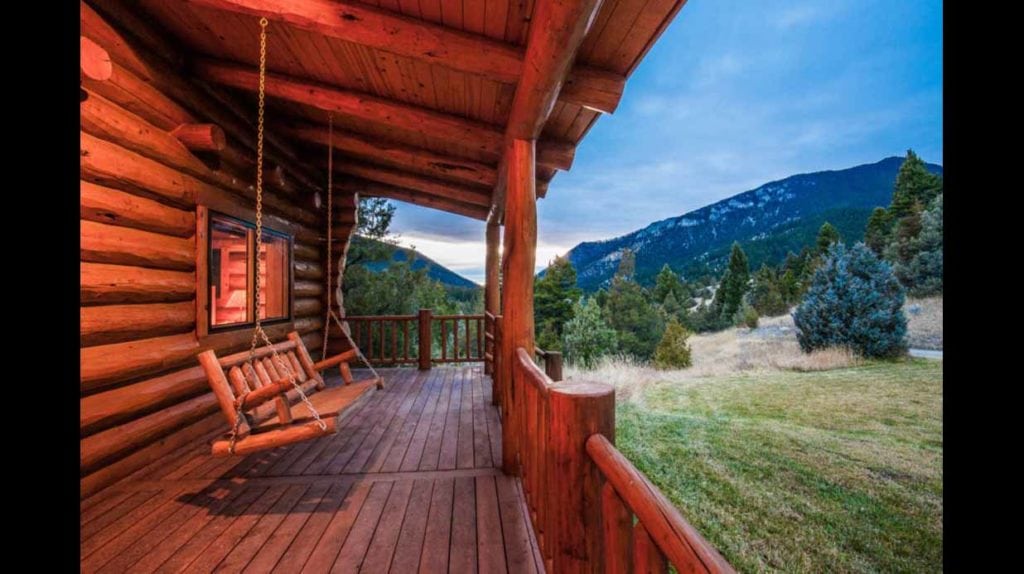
(435, 270)
(768, 221)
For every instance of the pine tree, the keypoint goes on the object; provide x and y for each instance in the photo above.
(671, 307)
(587, 336)
(637, 323)
(877, 231)
(667, 282)
(735, 283)
(627, 264)
(921, 270)
(766, 293)
(827, 235)
(673, 352)
(854, 301)
(554, 296)
(915, 187)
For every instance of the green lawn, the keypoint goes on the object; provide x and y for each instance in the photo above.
(836, 471)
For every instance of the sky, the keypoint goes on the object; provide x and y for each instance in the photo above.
(735, 93)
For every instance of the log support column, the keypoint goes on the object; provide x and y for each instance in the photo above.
(520, 244)
(492, 291)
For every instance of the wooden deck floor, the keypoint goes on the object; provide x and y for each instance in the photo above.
(407, 484)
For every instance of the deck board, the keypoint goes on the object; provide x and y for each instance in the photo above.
(409, 483)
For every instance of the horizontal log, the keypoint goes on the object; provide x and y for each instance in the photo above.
(123, 151)
(107, 446)
(306, 324)
(104, 410)
(267, 392)
(306, 251)
(313, 341)
(400, 155)
(105, 324)
(419, 183)
(428, 123)
(103, 284)
(200, 137)
(375, 189)
(308, 289)
(102, 243)
(423, 41)
(106, 365)
(308, 269)
(154, 57)
(278, 437)
(336, 360)
(113, 207)
(94, 60)
(158, 450)
(685, 547)
(138, 97)
(307, 306)
(110, 165)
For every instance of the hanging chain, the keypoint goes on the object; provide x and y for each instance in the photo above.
(330, 254)
(258, 333)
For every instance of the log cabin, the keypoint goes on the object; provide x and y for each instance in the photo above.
(210, 171)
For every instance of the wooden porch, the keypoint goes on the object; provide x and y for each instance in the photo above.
(410, 483)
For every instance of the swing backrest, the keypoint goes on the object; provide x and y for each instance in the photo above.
(236, 375)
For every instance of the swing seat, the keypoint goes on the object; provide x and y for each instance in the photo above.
(271, 405)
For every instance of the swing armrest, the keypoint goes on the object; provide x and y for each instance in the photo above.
(335, 360)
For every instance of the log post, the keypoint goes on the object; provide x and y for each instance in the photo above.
(553, 365)
(517, 290)
(426, 336)
(200, 137)
(617, 527)
(492, 302)
(577, 411)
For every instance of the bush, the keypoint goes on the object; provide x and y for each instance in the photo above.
(746, 316)
(854, 301)
(673, 352)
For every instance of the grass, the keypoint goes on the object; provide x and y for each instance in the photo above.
(837, 470)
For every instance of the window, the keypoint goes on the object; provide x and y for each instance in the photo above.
(232, 269)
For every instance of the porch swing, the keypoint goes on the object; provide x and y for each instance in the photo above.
(282, 372)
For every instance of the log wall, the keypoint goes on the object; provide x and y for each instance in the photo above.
(142, 391)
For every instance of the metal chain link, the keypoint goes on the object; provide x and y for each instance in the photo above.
(258, 333)
(330, 227)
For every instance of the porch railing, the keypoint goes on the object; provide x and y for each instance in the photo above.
(422, 339)
(581, 492)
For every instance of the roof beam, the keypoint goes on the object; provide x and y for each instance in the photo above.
(398, 155)
(377, 189)
(556, 31)
(591, 88)
(425, 185)
(428, 123)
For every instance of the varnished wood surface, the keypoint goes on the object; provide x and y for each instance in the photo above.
(409, 483)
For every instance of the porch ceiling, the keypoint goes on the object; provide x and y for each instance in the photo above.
(421, 90)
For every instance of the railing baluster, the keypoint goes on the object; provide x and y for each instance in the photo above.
(394, 342)
(444, 340)
(405, 340)
(647, 558)
(617, 529)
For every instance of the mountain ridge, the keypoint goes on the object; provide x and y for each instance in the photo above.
(769, 220)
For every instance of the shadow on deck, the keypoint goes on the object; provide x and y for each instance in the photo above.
(409, 483)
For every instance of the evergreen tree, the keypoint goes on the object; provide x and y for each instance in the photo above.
(921, 269)
(915, 187)
(554, 296)
(789, 288)
(637, 323)
(667, 282)
(827, 235)
(877, 231)
(853, 301)
(734, 285)
(671, 307)
(766, 293)
(673, 352)
(587, 336)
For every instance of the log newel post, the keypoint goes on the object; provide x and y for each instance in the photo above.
(492, 301)
(426, 317)
(519, 257)
(577, 410)
(553, 365)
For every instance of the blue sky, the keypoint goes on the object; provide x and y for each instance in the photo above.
(736, 93)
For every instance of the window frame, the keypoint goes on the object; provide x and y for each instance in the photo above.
(205, 217)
